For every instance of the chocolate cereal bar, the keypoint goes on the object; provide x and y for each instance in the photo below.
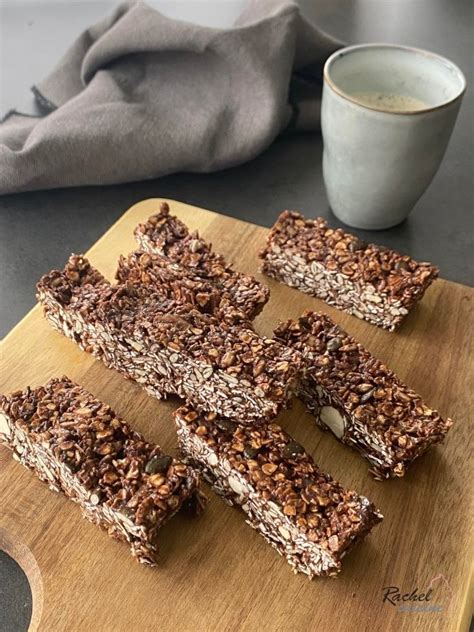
(164, 234)
(228, 297)
(303, 513)
(368, 281)
(77, 445)
(168, 345)
(357, 397)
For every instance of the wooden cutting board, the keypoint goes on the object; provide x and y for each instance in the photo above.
(216, 572)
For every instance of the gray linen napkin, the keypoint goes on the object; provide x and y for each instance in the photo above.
(140, 95)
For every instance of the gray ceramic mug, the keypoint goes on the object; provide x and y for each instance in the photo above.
(387, 115)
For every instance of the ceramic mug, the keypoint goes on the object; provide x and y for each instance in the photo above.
(387, 115)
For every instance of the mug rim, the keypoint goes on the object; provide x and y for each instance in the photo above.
(411, 49)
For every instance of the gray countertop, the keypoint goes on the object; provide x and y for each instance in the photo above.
(38, 231)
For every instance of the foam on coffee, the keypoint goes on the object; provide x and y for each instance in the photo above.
(392, 102)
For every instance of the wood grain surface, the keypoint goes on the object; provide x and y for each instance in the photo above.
(216, 572)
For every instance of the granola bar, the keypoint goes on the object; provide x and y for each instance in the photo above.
(166, 235)
(358, 398)
(368, 281)
(226, 298)
(168, 346)
(309, 518)
(78, 446)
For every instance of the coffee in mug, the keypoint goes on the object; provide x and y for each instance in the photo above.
(387, 115)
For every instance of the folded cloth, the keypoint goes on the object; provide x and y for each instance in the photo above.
(140, 95)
